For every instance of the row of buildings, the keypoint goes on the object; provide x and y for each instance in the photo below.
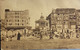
(64, 20)
(61, 20)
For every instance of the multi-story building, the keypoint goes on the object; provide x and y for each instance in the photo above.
(63, 19)
(16, 19)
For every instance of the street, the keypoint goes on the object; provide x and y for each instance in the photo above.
(41, 44)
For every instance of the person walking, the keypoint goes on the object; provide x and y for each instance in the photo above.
(18, 36)
(40, 35)
(51, 35)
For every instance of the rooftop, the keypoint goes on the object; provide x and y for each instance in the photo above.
(65, 10)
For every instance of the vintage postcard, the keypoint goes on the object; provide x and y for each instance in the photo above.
(39, 24)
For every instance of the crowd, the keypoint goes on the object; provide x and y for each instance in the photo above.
(41, 34)
(60, 35)
(9, 38)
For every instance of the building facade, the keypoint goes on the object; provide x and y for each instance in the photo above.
(41, 24)
(16, 19)
(63, 19)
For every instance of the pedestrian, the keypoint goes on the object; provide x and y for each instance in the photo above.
(51, 35)
(77, 35)
(40, 35)
(18, 36)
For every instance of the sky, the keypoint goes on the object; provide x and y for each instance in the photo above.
(36, 7)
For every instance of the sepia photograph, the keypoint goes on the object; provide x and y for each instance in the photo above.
(39, 24)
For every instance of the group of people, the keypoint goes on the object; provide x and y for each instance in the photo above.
(60, 35)
(41, 34)
(9, 38)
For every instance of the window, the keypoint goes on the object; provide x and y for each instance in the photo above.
(18, 23)
(22, 24)
(65, 22)
(16, 16)
(18, 20)
(16, 13)
(22, 20)
(59, 18)
(9, 20)
(10, 23)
